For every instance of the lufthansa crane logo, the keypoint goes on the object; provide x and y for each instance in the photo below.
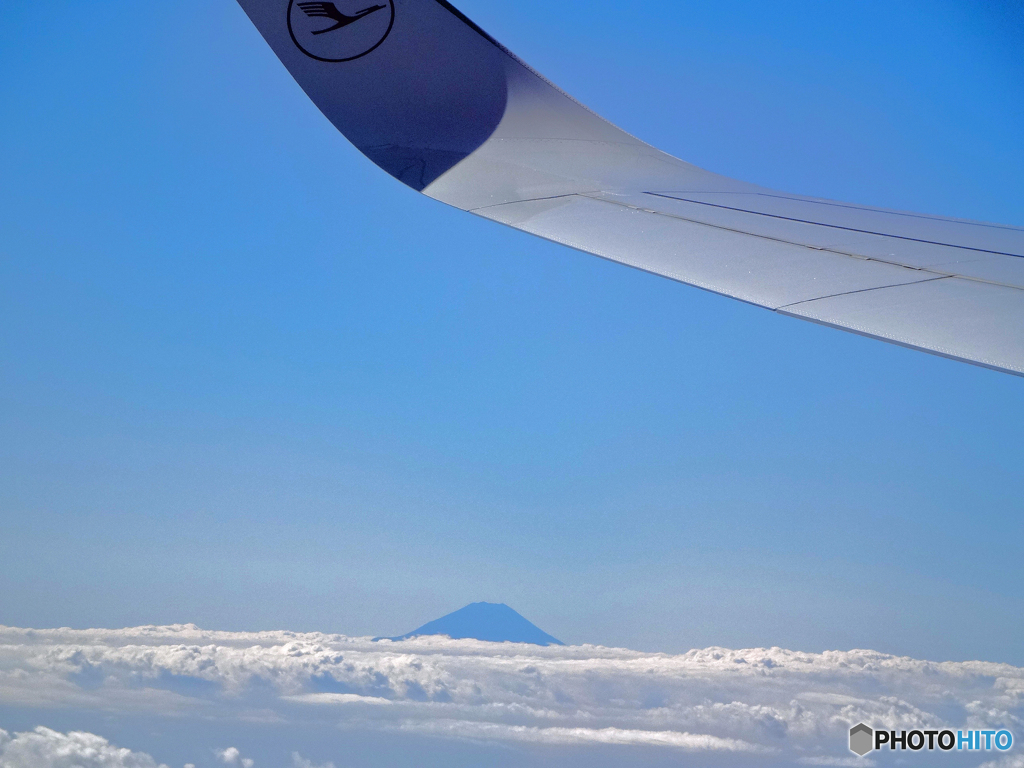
(340, 31)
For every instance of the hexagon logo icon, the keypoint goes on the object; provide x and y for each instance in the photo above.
(862, 739)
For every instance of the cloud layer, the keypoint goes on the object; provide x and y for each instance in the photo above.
(782, 706)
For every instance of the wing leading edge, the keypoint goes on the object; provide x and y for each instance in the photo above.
(444, 108)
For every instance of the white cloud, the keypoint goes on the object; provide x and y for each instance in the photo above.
(298, 761)
(576, 736)
(43, 748)
(790, 705)
(337, 698)
(231, 756)
(1006, 762)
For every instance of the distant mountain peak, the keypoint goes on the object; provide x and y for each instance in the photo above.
(490, 622)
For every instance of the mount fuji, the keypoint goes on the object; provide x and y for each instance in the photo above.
(491, 622)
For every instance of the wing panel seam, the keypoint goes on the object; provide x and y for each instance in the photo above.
(863, 290)
(833, 226)
(869, 209)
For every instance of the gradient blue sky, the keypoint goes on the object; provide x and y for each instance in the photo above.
(249, 381)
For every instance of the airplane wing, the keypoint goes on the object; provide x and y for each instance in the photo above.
(439, 104)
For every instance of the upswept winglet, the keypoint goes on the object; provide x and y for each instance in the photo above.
(440, 105)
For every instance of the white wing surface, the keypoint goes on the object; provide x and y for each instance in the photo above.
(439, 104)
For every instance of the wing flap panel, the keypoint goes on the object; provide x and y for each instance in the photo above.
(940, 259)
(855, 219)
(765, 272)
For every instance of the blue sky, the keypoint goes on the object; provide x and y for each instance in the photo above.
(251, 382)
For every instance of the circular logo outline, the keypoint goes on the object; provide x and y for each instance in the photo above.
(291, 32)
